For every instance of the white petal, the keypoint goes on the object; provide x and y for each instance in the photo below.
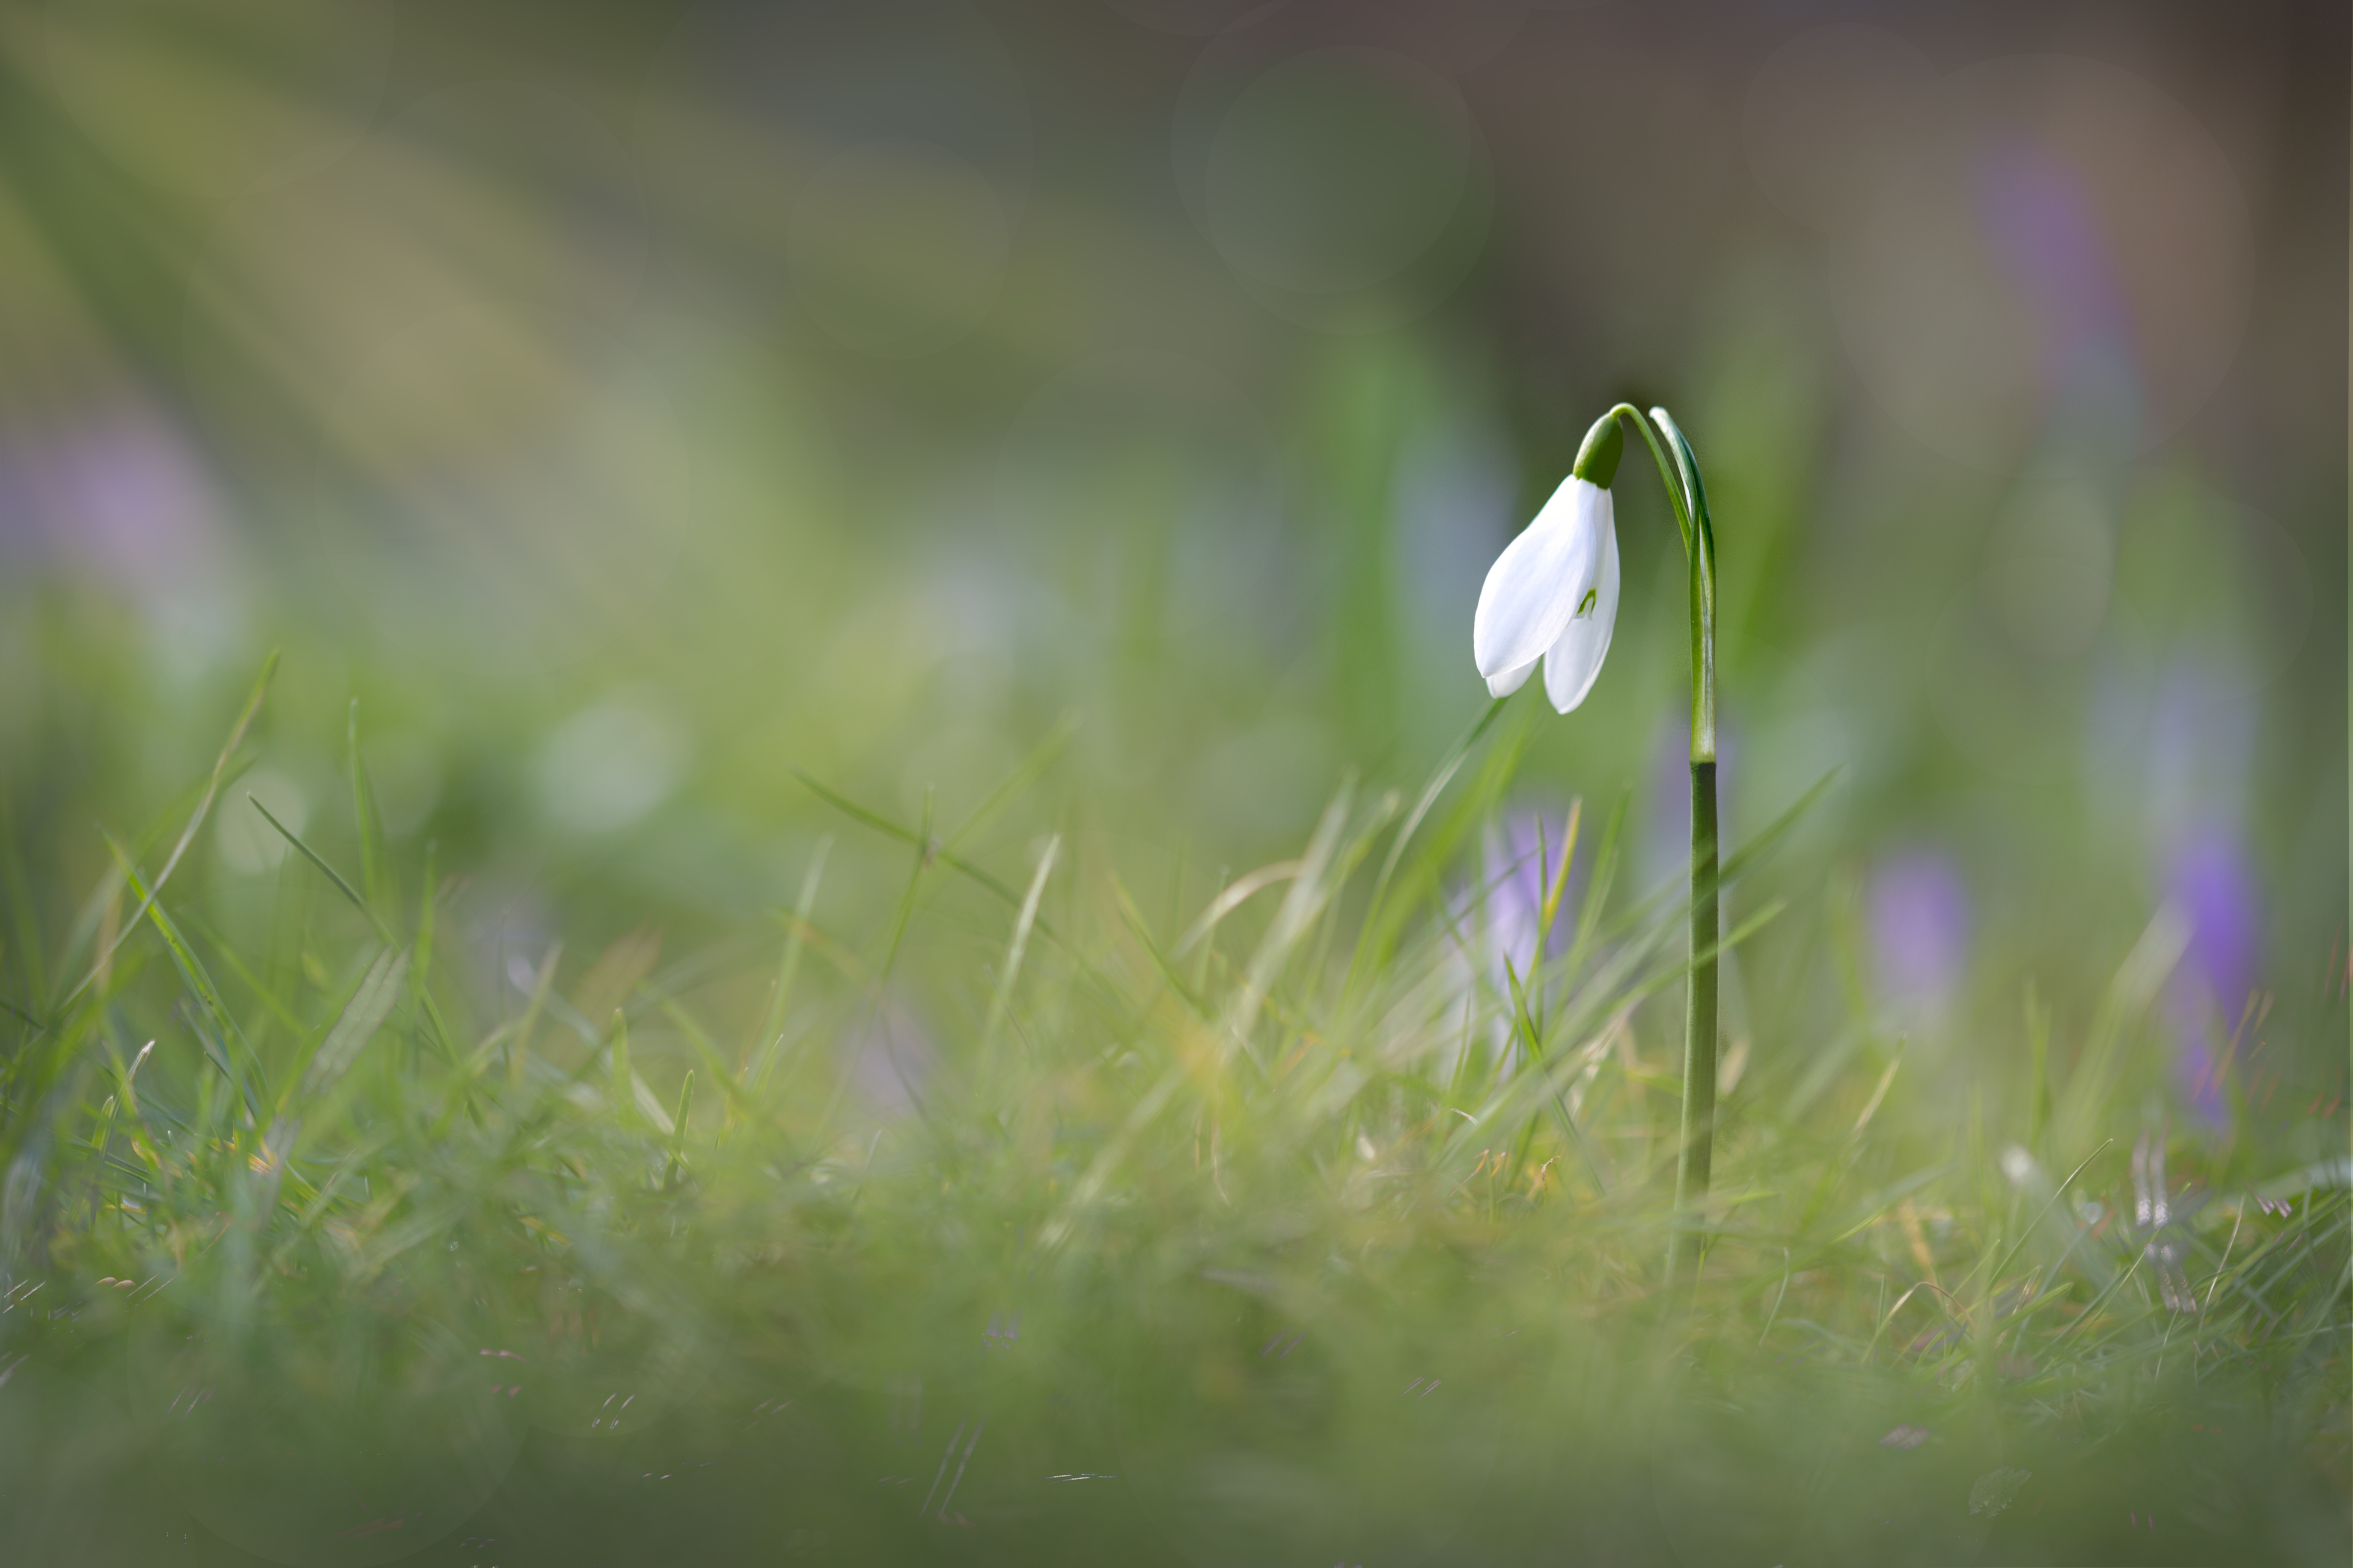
(1573, 661)
(1511, 680)
(1533, 586)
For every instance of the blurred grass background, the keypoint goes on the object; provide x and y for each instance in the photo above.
(629, 406)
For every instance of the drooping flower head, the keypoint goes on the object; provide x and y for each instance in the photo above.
(1552, 595)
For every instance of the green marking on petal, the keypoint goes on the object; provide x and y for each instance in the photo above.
(1585, 606)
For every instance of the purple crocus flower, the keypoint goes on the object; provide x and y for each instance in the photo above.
(123, 496)
(1520, 864)
(1498, 919)
(2208, 878)
(2201, 750)
(2043, 227)
(1919, 915)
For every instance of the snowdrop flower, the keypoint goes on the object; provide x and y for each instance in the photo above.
(1553, 595)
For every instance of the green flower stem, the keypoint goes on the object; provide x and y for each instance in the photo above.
(1679, 471)
(1697, 1144)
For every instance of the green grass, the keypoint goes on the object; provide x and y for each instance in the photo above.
(1182, 1227)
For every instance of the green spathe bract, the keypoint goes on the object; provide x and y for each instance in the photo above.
(1597, 456)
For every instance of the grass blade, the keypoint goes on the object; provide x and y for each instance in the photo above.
(760, 1061)
(1027, 918)
(312, 856)
(187, 834)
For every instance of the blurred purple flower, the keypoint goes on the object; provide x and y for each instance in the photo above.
(892, 1061)
(121, 494)
(1497, 918)
(2043, 229)
(1520, 864)
(2209, 879)
(1919, 914)
(2201, 746)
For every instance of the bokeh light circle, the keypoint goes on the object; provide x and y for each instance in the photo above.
(2007, 707)
(611, 764)
(1344, 186)
(1334, 170)
(2050, 566)
(2203, 576)
(248, 846)
(1805, 730)
(2087, 607)
(898, 248)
